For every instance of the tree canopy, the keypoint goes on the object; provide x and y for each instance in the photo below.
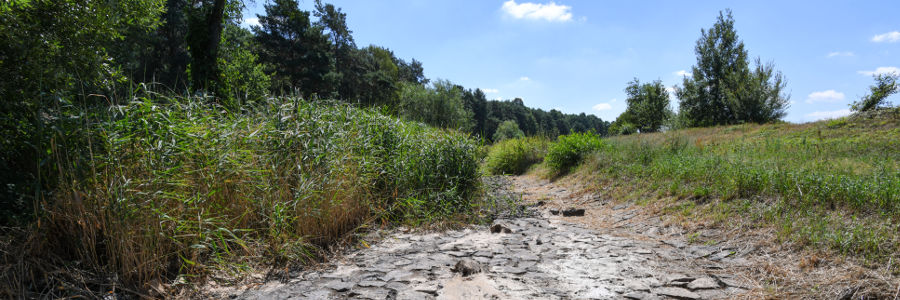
(648, 107)
(723, 88)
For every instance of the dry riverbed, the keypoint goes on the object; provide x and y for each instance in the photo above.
(554, 252)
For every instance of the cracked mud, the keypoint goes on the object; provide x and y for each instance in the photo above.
(539, 257)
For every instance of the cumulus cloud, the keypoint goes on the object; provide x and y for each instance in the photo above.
(825, 96)
(490, 91)
(536, 11)
(683, 73)
(890, 37)
(838, 53)
(524, 78)
(602, 106)
(880, 71)
(819, 115)
(251, 22)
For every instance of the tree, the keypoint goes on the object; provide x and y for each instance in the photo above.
(885, 86)
(298, 52)
(207, 21)
(509, 129)
(412, 71)
(379, 77)
(243, 77)
(723, 89)
(648, 106)
(54, 56)
(440, 105)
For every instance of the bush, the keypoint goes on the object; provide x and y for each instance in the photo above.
(569, 150)
(509, 129)
(514, 156)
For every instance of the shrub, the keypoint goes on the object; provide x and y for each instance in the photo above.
(514, 156)
(569, 150)
(509, 129)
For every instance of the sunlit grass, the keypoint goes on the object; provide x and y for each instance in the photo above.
(832, 184)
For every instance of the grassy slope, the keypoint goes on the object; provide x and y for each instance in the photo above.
(171, 187)
(826, 185)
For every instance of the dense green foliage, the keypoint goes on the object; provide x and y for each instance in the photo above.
(515, 156)
(180, 187)
(648, 108)
(570, 150)
(68, 57)
(885, 86)
(508, 130)
(440, 104)
(723, 89)
(832, 183)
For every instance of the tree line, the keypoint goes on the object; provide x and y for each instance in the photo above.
(199, 47)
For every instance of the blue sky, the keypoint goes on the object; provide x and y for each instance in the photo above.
(577, 56)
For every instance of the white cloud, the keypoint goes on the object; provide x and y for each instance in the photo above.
(490, 91)
(838, 53)
(536, 11)
(819, 115)
(524, 78)
(683, 73)
(825, 96)
(602, 106)
(890, 37)
(251, 22)
(880, 71)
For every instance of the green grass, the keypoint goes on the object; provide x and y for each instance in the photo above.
(570, 150)
(515, 156)
(829, 185)
(172, 187)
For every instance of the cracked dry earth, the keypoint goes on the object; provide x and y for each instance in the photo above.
(541, 256)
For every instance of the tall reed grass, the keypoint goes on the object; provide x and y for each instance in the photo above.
(165, 187)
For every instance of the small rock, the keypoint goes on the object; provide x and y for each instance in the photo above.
(677, 293)
(339, 286)
(675, 244)
(371, 283)
(679, 280)
(466, 267)
(554, 211)
(573, 212)
(510, 270)
(498, 228)
(704, 283)
(429, 288)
